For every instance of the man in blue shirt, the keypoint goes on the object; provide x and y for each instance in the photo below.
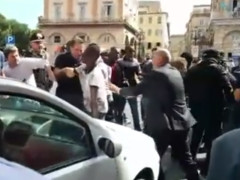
(13, 171)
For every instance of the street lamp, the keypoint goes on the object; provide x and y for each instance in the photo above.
(140, 37)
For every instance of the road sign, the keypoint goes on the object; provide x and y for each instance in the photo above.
(195, 51)
(10, 40)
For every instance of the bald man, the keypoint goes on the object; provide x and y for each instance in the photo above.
(168, 119)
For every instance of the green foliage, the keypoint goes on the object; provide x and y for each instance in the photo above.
(12, 27)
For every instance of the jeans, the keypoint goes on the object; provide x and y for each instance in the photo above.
(134, 109)
(119, 103)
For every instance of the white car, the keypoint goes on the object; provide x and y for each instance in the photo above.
(49, 135)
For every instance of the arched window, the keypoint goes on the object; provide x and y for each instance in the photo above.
(106, 38)
(83, 36)
(57, 38)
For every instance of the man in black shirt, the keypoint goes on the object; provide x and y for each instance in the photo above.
(127, 71)
(69, 89)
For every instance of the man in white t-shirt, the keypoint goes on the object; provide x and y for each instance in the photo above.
(93, 83)
(20, 68)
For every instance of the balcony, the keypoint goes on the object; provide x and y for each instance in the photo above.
(43, 22)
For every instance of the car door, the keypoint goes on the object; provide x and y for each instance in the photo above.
(49, 140)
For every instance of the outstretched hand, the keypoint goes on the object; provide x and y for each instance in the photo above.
(114, 88)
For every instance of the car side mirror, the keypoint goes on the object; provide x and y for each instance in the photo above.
(110, 148)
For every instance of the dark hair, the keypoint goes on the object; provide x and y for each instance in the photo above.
(92, 50)
(9, 49)
(76, 40)
(123, 51)
(188, 57)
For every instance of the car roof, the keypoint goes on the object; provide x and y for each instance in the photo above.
(8, 85)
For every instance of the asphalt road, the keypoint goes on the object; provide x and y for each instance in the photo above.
(171, 167)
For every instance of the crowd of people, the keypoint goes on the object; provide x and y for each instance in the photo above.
(177, 96)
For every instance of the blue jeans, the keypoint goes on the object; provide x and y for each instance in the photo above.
(134, 109)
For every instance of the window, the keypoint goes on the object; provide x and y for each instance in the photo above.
(159, 20)
(42, 137)
(141, 20)
(106, 39)
(82, 10)
(158, 44)
(149, 45)
(150, 20)
(58, 11)
(156, 32)
(149, 32)
(107, 9)
(57, 39)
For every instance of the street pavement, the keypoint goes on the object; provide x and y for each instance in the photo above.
(171, 167)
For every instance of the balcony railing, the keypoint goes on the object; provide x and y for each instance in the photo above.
(44, 21)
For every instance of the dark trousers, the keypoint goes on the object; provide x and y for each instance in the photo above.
(179, 141)
(144, 105)
(206, 132)
(134, 109)
(74, 99)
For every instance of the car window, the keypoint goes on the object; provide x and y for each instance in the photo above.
(39, 136)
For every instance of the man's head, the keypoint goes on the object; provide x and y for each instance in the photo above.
(129, 52)
(11, 54)
(37, 42)
(113, 56)
(105, 56)
(90, 55)
(161, 57)
(211, 53)
(122, 53)
(75, 47)
(180, 64)
(188, 57)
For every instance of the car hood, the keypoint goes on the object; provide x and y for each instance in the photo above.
(127, 136)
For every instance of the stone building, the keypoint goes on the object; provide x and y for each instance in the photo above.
(197, 28)
(225, 27)
(108, 23)
(154, 24)
(177, 45)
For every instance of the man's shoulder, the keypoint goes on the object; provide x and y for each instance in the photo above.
(229, 139)
(63, 55)
(96, 71)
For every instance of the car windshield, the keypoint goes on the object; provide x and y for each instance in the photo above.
(24, 104)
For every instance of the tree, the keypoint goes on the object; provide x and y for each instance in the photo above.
(13, 27)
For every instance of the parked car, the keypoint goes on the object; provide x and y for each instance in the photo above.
(46, 134)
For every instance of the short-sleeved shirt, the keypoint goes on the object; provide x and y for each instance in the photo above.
(106, 71)
(94, 78)
(67, 85)
(24, 70)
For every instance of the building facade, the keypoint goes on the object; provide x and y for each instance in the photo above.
(177, 45)
(108, 23)
(225, 27)
(154, 24)
(197, 28)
